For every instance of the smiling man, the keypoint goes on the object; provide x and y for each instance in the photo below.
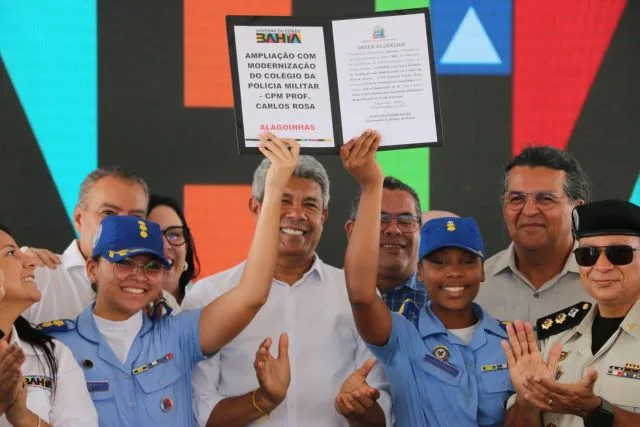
(536, 274)
(588, 373)
(307, 301)
(66, 289)
(399, 239)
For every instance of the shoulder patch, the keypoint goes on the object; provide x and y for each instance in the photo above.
(562, 320)
(60, 325)
(410, 311)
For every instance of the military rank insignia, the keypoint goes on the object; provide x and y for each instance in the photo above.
(145, 368)
(630, 370)
(60, 325)
(562, 320)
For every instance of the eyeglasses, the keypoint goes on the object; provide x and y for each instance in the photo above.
(176, 235)
(406, 223)
(587, 256)
(544, 200)
(127, 267)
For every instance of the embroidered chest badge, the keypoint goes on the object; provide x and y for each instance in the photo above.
(441, 352)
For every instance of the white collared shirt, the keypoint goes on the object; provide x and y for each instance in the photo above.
(66, 289)
(71, 405)
(507, 295)
(324, 348)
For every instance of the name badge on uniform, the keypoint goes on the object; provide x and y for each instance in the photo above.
(94, 386)
(441, 364)
(145, 368)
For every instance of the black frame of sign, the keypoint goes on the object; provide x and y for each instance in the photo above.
(326, 24)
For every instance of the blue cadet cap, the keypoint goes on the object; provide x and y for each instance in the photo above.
(122, 237)
(450, 232)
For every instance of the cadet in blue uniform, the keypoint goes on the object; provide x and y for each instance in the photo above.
(444, 362)
(138, 371)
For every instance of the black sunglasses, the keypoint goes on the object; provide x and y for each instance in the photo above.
(587, 256)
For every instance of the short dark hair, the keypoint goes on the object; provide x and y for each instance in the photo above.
(390, 183)
(577, 185)
(193, 267)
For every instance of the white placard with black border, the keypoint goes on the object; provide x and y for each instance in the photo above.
(324, 81)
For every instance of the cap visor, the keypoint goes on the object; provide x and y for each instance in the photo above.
(135, 252)
(454, 245)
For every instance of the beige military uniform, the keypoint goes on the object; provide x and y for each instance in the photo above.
(617, 362)
(507, 295)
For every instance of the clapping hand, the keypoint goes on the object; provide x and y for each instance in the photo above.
(356, 396)
(274, 374)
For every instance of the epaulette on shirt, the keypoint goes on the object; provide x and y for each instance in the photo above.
(561, 320)
(410, 311)
(503, 324)
(60, 325)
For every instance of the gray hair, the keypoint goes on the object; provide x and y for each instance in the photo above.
(116, 172)
(308, 167)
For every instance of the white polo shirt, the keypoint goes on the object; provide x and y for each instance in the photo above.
(66, 289)
(324, 348)
(507, 295)
(71, 404)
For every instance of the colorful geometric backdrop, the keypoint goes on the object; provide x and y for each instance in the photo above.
(147, 85)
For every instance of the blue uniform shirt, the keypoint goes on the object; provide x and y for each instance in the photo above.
(153, 387)
(436, 380)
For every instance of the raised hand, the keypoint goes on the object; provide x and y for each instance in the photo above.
(11, 380)
(359, 158)
(525, 360)
(274, 374)
(355, 395)
(283, 154)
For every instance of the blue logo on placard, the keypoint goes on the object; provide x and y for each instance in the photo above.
(472, 37)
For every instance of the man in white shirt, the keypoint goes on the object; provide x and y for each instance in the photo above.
(536, 275)
(66, 289)
(312, 382)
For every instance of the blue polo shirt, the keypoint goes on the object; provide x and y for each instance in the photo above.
(436, 380)
(153, 386)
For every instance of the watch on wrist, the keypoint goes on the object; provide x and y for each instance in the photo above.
(602, 416)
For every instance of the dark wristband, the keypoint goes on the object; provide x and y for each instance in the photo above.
(602, 416)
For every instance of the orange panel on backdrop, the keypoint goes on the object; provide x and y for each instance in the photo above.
(219, 218)
(207, 76)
